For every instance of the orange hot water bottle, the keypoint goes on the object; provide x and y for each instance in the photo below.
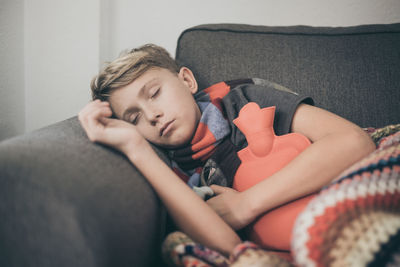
(266, 154)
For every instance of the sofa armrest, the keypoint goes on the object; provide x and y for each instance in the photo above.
(65, 201)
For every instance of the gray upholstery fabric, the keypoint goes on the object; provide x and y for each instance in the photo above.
(352, 71)
(65, 201)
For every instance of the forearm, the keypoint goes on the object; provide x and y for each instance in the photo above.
(315, 167)
(188, 210)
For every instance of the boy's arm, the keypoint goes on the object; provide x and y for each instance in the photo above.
(336, 144)
(188, 210)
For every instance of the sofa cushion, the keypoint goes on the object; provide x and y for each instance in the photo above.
(351, 71)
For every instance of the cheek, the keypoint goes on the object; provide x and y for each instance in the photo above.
(148, 133)
(192, 110)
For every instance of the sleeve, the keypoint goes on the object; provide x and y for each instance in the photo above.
(265, 94)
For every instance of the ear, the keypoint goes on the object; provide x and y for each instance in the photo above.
(187, 77)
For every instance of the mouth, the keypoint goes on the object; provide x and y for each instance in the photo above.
(166, 128)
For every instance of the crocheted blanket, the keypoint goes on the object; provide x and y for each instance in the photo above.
(354, 221)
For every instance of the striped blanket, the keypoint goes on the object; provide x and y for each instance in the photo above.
(354, 221)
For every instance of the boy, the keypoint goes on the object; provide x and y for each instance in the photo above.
(144, 97)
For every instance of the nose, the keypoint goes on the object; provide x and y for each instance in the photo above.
(153, 114)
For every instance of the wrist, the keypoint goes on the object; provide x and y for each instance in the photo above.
(137, 154)
(255, 208)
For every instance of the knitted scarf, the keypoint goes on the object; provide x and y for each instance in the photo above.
(211, 134)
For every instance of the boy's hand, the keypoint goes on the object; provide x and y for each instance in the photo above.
(231, 206)
(95, 119)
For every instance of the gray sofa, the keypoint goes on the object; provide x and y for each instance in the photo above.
(65, 201)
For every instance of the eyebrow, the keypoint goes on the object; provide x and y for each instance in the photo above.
(145, 87)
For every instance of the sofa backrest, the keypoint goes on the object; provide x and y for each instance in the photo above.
(351, 71)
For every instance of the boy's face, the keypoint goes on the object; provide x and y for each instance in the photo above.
(161, 106)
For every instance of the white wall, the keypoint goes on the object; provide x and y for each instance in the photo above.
(62, 43)
(61, 56)
(133, 23)
(12, 96)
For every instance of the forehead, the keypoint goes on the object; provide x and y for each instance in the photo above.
(127, 96)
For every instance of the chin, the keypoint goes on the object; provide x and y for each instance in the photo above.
(178, 144)
(172, 145)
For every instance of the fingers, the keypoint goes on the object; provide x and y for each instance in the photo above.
(220, 189)
(94, 110)
(106, 120)
(92, 116)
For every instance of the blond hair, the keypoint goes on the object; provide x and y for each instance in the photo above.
(128, 67)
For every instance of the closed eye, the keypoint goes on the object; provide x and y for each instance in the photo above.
(135, 119)
(153, 95)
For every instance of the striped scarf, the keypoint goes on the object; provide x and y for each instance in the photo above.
(212, 130)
